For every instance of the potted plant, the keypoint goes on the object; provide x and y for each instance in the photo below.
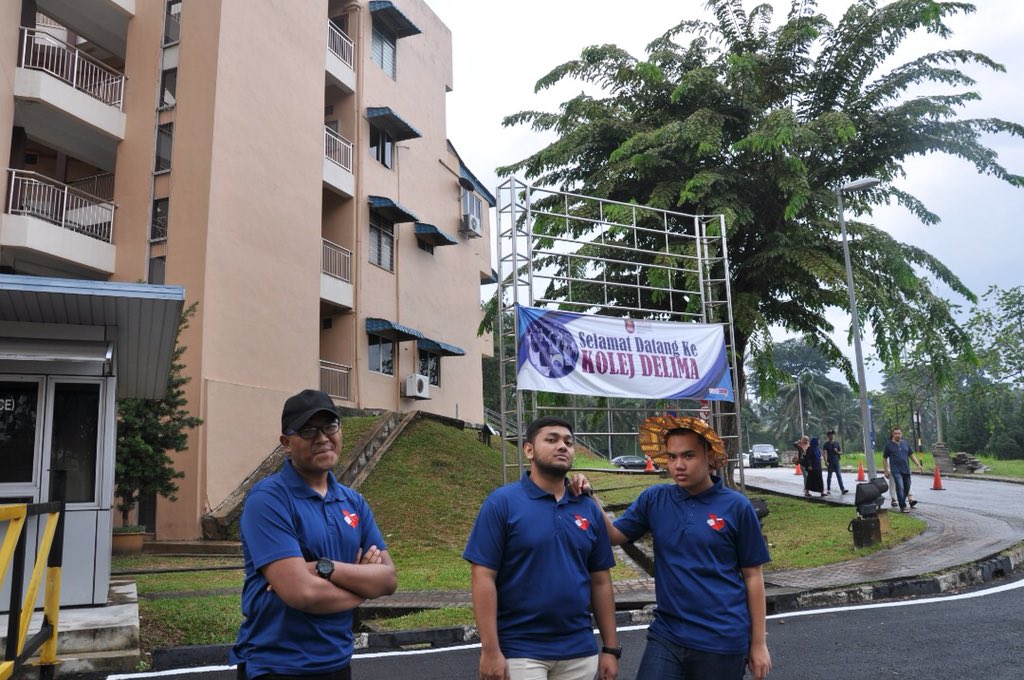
(127, 539)
(146, 430)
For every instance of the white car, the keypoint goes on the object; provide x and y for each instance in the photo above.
(763, 455)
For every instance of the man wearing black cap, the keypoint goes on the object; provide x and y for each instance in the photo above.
(312, 552)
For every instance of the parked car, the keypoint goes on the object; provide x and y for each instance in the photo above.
(630, 462)
(763, 455)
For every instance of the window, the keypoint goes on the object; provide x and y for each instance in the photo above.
(424, 246)
(76, 422)
(382, 242)
(430, 366)
(157, 269)
(382, 147)
(164, 138)
(472, 205)
(382, 49)
(382, 355)
(172, 22)
(158, 225)
(18, 404)
(168, 88)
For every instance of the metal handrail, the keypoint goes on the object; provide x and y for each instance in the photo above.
(340, 44)
(101, 185)
(337, 149)
(336, 261)
(334, 379)
(44, 52)
(39, 196)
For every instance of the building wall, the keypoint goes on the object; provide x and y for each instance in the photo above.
(248, 211)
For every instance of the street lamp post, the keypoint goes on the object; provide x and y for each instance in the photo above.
(869, 454)
(800, 405)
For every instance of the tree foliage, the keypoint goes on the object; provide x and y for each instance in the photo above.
(763, 124)
(147, 429)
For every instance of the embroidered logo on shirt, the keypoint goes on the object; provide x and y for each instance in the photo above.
(351, 518)
(582, 522)
(715, 522)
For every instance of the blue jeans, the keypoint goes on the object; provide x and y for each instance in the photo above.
(901, 482)
(668, 661)
(833, 466)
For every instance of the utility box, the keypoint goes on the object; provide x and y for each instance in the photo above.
(867, 531)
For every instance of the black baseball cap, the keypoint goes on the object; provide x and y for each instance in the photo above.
(298, 409)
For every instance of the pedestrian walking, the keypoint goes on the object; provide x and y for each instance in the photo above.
(312, 553)
(802, 445)
(540, 557)
(896, 458)
(812, 466)
(708, 555)
(832, 453)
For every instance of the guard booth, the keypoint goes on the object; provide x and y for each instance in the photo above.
(68, 350)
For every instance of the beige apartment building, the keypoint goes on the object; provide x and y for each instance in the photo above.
(287, 163)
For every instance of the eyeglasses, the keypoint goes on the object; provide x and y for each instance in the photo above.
(310, 431)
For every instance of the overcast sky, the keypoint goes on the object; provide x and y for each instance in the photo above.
(502, 49)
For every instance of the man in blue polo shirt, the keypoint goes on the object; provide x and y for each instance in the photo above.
(540, 559)
(312, 553)
(897, 457)
(708, 552)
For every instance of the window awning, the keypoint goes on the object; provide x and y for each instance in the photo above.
(493, 278)
(393, 19)
(391, 210)
(430, 234)
(438, 347)
(389, 121)
(391, 330)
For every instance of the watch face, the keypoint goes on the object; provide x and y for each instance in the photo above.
(324, 567)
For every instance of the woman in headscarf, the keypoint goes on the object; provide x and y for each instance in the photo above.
(812, 464)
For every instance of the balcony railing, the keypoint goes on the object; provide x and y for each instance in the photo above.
(43, 52)
(336, 261)
(334, 379)
(337, 148)
(101, 185)
(340, 44)
(37, 196)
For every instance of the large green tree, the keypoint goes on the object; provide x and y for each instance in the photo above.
(763, 124)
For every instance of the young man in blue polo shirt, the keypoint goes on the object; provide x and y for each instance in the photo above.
(312, 552)
(708, 552)
(540, 559)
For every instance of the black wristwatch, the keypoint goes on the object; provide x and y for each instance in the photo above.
(324, 568)
(614, 651)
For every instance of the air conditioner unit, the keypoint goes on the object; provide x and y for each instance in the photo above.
(416, 386)
(470, 225)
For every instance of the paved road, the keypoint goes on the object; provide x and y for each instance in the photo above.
(967, 636)
(970, 520)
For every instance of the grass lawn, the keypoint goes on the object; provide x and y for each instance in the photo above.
(425, 494)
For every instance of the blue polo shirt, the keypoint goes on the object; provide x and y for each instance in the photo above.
(285, 517)
(899, 456)
(543, 551)
(700, 543)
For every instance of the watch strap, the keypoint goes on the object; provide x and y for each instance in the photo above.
(614, 651)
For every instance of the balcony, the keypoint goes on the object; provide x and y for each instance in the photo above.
(340, 59)
(67, 99)
(53, 227)
(336, 275)
(338, 175)
(104, 23)
(334, 379)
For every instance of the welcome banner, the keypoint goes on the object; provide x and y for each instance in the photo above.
(615, 357)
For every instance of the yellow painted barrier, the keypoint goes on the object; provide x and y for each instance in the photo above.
(45, 641)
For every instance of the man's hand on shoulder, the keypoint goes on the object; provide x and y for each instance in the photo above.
(579, 485)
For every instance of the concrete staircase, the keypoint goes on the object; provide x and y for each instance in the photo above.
(352, 471)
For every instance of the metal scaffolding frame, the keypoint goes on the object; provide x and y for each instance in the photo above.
(573, 252)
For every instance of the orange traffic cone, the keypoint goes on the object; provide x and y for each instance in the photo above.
(937, 484)
(649, 467)
(798, 470)
(860, 472)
